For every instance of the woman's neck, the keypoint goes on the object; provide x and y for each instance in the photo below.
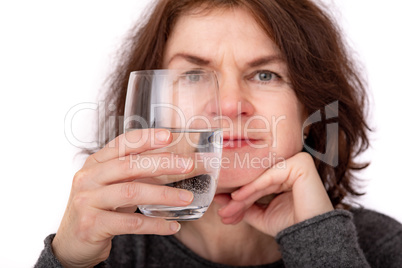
(238, 244)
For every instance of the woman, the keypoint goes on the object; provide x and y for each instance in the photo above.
(282, 60)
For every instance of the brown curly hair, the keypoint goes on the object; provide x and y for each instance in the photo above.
(320, 69)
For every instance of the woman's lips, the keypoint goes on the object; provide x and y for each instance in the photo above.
(236, 143)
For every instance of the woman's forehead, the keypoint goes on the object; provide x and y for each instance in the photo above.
(220, 31)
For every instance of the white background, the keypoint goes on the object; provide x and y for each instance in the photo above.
(54, 55)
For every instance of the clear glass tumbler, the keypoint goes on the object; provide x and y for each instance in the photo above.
(186, 102)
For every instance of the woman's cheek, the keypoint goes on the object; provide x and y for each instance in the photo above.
(240, 168)
(288, 145)
(287, 135)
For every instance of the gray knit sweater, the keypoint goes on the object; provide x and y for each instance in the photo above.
(360, 238)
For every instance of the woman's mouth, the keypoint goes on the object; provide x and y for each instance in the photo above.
(235, 143)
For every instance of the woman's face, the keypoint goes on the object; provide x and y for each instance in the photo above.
(262, 118)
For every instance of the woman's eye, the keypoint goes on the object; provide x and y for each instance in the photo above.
(194, 77)
(264, 76)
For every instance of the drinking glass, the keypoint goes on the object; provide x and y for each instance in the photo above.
(186, 102)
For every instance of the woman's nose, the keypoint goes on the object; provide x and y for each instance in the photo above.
(234, 100)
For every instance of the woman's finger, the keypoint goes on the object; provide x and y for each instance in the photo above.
(283, 174)
(115, 223)
(234, 219)
(261, 198)
(271, 219)
(133, 142)
(272, 180)
(296, 174)
(222, 199)
(163, 167)
(130, 194)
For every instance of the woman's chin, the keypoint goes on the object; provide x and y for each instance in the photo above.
(232, 179)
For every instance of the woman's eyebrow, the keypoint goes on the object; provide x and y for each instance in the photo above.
(192, 59)
(197, 60)
(265, 60)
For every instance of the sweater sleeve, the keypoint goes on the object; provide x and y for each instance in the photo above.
(380, 238)
(48, 260)
(327, 240)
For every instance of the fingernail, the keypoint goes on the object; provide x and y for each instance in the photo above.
(162, 135)
(222, 208)
(186, 196)
(175, 226)
(234, 193)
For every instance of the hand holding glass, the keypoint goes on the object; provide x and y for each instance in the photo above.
(186, 102)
